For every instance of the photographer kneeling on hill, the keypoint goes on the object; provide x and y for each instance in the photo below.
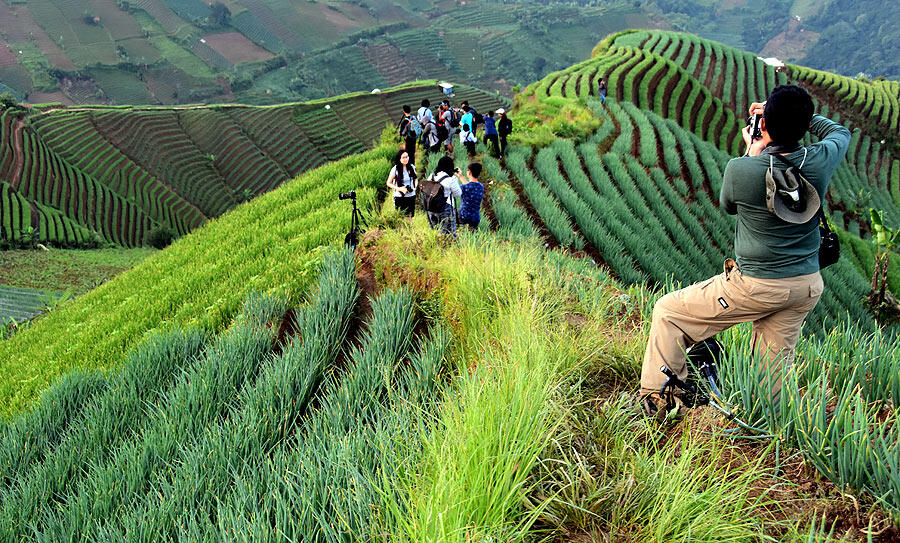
(775, 282)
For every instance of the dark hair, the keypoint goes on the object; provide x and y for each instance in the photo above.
(466, 108)
(490, 113)
(445, 164)
(399, 165)
(788, 112)
(425, 103)
(406, 109)
(465, 127)
(465, 103)
(475, 169)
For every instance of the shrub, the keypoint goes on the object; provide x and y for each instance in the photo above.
(160, 237)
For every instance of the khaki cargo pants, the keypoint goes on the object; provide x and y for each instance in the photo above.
(776, 307)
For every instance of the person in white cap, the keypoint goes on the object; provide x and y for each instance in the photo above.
(775, 282)
(504, 128)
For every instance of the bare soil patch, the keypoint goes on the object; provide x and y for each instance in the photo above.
(7, 56)
(235, 47)
(791, 44)
(19, 150)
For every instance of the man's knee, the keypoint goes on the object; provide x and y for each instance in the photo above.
(663, 307)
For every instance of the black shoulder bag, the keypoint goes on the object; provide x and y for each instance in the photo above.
(830, 245)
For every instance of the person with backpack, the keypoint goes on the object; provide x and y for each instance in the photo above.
(439, 191)
(468, 139)
(776, 190)
(601, 90)
(424, 113)
(430, 137)
(504, 128)
(447, 118)
(490, 133)
(408, 130)
(472, 194)
(402, 179)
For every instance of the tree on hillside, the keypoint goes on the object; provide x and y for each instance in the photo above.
(219, 14)
(887, 240)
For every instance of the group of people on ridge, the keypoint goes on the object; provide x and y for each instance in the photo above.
(434, 130)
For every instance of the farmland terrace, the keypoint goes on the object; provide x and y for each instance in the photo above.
(85, 175)
(259, 381)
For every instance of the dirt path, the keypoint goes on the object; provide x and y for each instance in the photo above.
(19, 151)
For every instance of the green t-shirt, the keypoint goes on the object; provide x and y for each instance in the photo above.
(766, 246)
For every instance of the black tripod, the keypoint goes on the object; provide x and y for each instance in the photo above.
(356, 218)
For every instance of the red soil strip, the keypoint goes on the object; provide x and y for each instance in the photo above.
(549, 239)
(667, 96)
(19, 151)
(652, 88)
(680, 103)
(236, 48)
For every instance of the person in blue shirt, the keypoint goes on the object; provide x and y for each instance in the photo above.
(490, 133)
(472, 194)
(467, 118)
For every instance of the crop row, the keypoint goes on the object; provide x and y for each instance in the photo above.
(241, 163)
(50, 180)
(282, 139)
(866, 101)
(75, 138)
(224, 431)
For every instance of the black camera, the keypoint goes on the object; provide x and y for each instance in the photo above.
(753, 123)
(347, 195)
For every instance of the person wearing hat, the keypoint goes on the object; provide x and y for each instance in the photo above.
(504, 128)
(775, 281)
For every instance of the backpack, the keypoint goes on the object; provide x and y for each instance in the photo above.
(477, 118)
(442, 132)
(434, 197)
(415, 126)
(454, 118)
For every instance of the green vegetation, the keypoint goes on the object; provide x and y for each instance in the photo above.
(281, 402)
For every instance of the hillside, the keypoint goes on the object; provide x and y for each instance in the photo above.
(82, 176)
(257, 384)
(272, 51)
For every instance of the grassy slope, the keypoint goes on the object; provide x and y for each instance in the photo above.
(269, 244)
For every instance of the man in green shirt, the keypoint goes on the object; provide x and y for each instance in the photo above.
(775, 282)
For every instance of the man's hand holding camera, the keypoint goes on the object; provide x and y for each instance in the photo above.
(755, 136)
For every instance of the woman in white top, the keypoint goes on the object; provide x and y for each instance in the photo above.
(402, 180)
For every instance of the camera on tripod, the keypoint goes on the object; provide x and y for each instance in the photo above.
(356, 220)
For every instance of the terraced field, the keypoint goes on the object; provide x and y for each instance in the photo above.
(88, 175)
(641, 194)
